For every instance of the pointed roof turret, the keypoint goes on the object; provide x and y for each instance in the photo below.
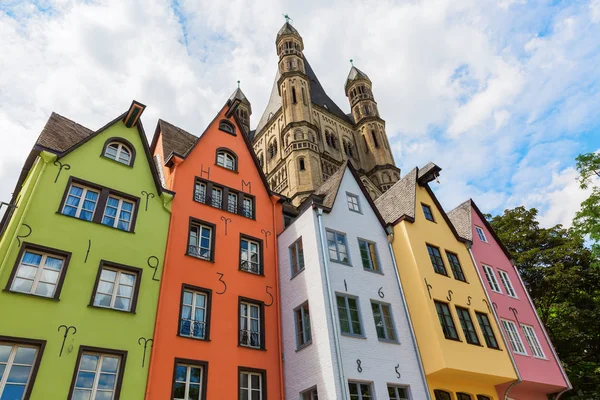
(355, 75)
(239, 95)
(287, 29)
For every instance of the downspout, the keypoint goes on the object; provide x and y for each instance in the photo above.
(506, 345)
(336, 339)
(406, 311)
(46, 158)
(564, 374)
(278, 297)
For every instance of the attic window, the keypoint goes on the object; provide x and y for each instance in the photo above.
(227, 126)
(325, 106)
(119, 150)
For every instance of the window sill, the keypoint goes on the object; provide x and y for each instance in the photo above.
(388, 341)
(117, 162)
(305, 345)
(235, 171)
(111, 309)
(351, 335)
(354, 211)
(297, 273)
(439, 273)
(193, 338)
(93, 222)
(199, 258)
(340, 262)
(31, 295)
(373, 271)
(251, 273)
(454, 340)
(475, 344)
(251, 348)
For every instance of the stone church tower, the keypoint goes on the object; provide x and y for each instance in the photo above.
(303, 136)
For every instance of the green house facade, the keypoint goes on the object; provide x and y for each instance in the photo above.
(81, 255)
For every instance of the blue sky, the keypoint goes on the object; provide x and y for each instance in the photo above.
(501, 94)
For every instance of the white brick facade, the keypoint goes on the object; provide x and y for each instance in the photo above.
(316, 364)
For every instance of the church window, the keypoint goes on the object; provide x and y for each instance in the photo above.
(374, 136)
(301, 165)
(273, 149)
(365, 143)
(261, 160)
(304, 97)
(348, 149)
(294, 100)
(367, 110)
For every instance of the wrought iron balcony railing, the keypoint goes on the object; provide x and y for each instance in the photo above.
(250, 338)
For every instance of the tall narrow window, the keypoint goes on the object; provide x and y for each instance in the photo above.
(397, 392)
(250, 325)
(446, 320)
(532, 341)
(226, 159)
(294, 100)
(39, 272)
(436, 260)
(486, 328)
(481, 234)
(442, 395)
(360, 391)
(232, 202)
(302, 320)
(250, 260)
(81, 202)
(374, 136)
(189, 381)
(384, 323)
(349, 315)
(200, 242)
(98, 376)
(304, 97)
(118, 213)
(353, 202)
(248, 207)
(119, 152)
(217, 197)
(464, 316)
(455, 266)
(251, 385)
(194, 313)
(336, 244)
(117, 288)
(296, 257)
(427, 212)
(301, 165)
(510, 290)
(491, 278)
(368, 255)
(17, 363)
(513, 337)
(365, 143)
(200, 192)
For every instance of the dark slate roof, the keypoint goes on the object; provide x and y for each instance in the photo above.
(461, 218)
(175, 139)
(239, 95)
(317, 95)
(356, 74)
(287, 29)
(400, 199)
(251, 135)
(60, 133)
(330, 187)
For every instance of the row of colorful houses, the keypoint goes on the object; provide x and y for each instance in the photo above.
(170, 270)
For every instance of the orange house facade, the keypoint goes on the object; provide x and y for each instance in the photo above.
(217, 329)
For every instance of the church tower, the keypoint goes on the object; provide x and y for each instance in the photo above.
(298, 135)
(378, 160)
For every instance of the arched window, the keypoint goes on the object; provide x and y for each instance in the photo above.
(294, 100)
(348, 148)
(119, 150)
(304, 97)
(227, 126)
(442, 395)
(273, 149)
(374, 136)
(298, 135)
(367, 110)
(331, 140)
(375, 180)
(226, 159)
(385, 177)
(301, 165)
(261, 160)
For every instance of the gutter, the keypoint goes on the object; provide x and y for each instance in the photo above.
(336, 339)
(506, 345)
(278, 296)
(407, 312)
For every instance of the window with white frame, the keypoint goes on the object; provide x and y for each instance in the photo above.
(194, 310)
(38, 273)
(481, 234)
(384, 323)
(337, 246)
(513, 337)
(188, 382)
(81, 202)
(360, 391)
(353, 202)
(296, 257)
(250, 325)
(532, 341)
(302, 322)
(310, 394)
(491, 278)
(250, 256)
(248, 207)
(507, 284)
(200, 192)
(116, 289)
(119, 152)
(232, 202)
(217, 197)
(97, 376)
(349, 315)
(16, 365)
(368, 255)
(251, 385)
(397, 392)
(200, 241)
(226, 159)
(118, 213)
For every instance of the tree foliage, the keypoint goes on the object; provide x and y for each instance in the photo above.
(587, 220)
(561, 275)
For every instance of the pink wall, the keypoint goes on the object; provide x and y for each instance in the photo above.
(536, 373)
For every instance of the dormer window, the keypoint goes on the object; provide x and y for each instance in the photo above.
(226, 159)
(227, 126)
(119, 151)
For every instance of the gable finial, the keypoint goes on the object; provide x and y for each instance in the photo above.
(238, 83)
(352, 62)
(288, 20)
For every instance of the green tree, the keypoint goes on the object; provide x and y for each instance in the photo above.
(558, 270)
(587, 220)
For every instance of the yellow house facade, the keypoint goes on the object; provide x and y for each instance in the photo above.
(463, 352)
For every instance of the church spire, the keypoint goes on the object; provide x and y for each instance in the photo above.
(244, 109)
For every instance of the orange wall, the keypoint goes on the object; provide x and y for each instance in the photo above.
(222, 352)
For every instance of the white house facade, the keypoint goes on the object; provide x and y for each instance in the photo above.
(364, 349)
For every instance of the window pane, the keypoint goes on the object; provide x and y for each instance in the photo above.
(85, 380)
(110, 364)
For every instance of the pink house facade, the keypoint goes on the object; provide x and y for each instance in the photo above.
(533, 354)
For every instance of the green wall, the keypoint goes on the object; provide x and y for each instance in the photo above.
(32, 317)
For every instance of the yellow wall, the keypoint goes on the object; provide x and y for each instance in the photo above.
(448, 364)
